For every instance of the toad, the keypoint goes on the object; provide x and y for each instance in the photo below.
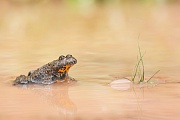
(52, 72)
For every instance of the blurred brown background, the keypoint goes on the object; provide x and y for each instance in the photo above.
(101, 34)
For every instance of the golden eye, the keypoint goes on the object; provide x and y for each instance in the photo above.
(68, 56)
(61, 57)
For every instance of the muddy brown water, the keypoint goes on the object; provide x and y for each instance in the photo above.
(104, 41)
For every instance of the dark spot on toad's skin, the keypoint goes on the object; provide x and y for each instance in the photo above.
(49, 73)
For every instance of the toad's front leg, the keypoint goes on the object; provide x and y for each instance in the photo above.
(63, 76)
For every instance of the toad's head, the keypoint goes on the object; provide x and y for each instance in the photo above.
(66, 62)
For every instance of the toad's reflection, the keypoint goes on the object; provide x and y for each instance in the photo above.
(56, 95)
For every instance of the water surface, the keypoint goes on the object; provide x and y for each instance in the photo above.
(104, 41)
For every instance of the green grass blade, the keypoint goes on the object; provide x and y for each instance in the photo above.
(136, 68)
(153, 76)
(142, 63)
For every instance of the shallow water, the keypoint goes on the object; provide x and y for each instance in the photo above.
(104, 41)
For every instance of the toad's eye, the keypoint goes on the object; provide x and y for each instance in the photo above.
(61, 57)
(68, 56)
